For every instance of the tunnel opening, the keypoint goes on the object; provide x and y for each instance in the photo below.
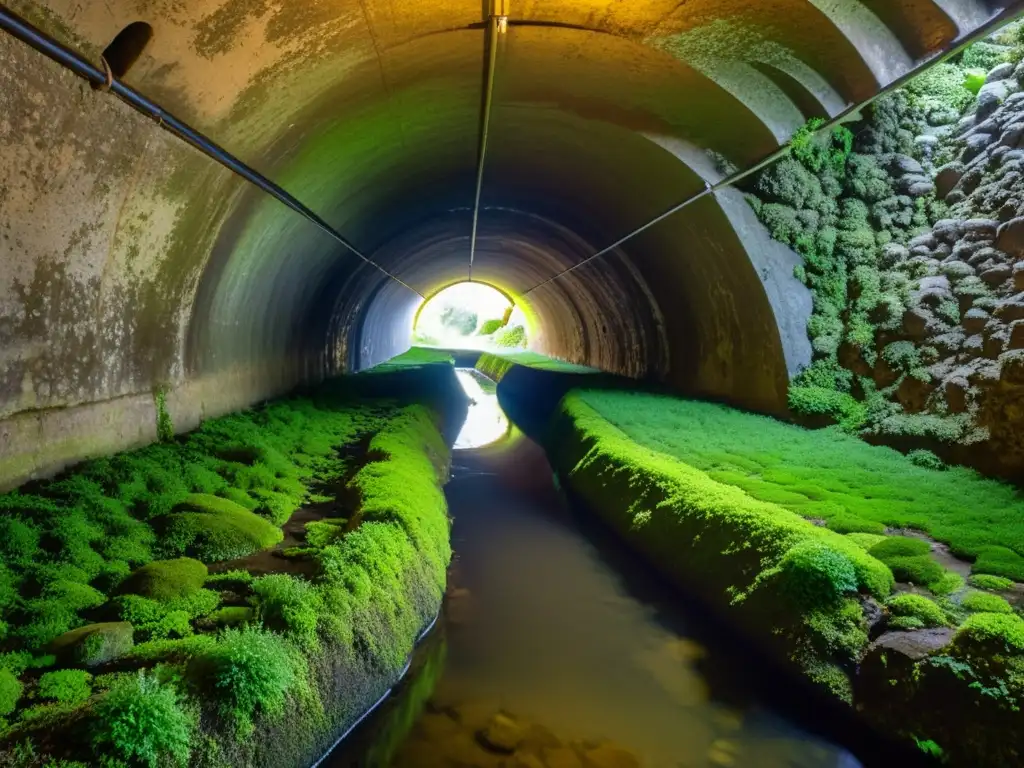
(470, 315)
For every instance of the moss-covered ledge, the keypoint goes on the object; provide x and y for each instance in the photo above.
(231, 661)
(943, 671)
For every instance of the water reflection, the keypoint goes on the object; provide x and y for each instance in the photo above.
(486, 422)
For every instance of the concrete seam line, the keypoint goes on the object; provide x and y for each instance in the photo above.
(995, 22)
(82, 67)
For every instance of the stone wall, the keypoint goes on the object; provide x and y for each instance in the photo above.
(911, 225)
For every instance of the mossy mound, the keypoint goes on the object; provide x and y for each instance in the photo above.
(925, 611)
(982, 602)
(165, 580)
(210, 529)
(94, 644)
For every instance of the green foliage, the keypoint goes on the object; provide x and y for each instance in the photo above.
(984, 55)
(844, 523)
(918, 607)
(487, 327)
(942, 84)
(865, 540)
(69, 686)
(142, 721)
(94, 644)
(930, 748)
(250, 670)
(947, 584)
(10, 692)
(985, 581)
(906, 623)
(816, 574)
(511, 336)
(235, 579)
(982, 602)
(992, 632)
(840, 407)
(289, 605)
(232, 616)
(899, 546)
(211, 528)
(750, 554)
(926, 459)
(164, 425)
(998, 560)
(164, 580)
(320, 533)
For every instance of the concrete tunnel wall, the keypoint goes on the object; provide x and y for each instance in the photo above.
(132, 262)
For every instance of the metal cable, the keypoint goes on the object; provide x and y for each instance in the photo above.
(996, 22)
(485, 124)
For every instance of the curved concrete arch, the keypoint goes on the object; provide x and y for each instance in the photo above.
(881, 49)
(132, 262)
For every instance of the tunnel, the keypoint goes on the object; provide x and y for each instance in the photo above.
(134, 263)
(728, 471)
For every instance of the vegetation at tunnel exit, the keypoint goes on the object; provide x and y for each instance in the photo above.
(827, 475)
(117, 650)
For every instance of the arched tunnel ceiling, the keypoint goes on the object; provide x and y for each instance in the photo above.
(137, 263)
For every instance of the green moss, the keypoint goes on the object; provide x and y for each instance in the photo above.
(815, 574)
(833, 472)
(235, 579)
(865, 540)
(165, 580)
(926, 459)
(164, 425)
(982, 602)
(918, 607)
(999, 560)
(94, 644)
(900, 546)
(89, 528)
(248, 671)
(947, 584)
(69, 686)
(232, 616)
(994, 632)
(845, 523)
(985, 581)
(10, 692)
(511, 336)
(288, 605)
(143, 722)
(320, 533)
(944, 84)
(210, 529)
(984, 55)
(487, 327)
(906, 623)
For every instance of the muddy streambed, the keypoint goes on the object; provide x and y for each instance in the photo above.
(557, 649)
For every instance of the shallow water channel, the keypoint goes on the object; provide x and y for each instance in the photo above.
(598, 664)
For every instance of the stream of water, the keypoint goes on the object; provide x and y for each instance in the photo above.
(591, 657)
